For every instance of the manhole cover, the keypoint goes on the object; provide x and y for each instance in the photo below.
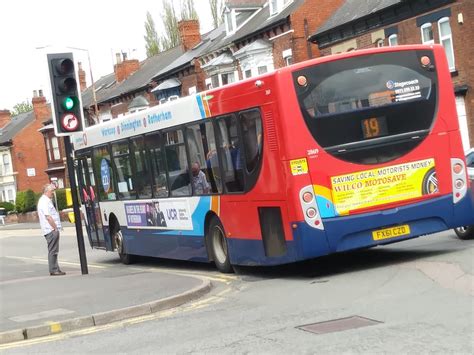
(338, 325)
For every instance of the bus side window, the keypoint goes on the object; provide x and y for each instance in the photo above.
(123, 166)
(202, 150)
(142, 174)
(251, 124)
(177, 162)
(103, 169)
(230, 153)
(160, 182)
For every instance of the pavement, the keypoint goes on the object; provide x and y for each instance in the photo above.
(35, 304)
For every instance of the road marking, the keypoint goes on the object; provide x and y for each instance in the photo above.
(45, 261)
(40, 315)
(188, 307)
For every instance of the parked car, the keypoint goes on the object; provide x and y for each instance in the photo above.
(467, 232)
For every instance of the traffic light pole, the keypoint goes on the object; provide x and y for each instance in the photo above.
(75, 205)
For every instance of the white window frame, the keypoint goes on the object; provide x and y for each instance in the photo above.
(276, 6)
(426, 25)
(6, 164)
(391, 39)
(447, 37)
(55, 148)
(230, 27)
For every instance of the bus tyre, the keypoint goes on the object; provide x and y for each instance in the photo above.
(124, 258)
(218, 244)
(465, 232)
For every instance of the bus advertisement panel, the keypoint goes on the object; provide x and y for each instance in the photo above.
(333, 154)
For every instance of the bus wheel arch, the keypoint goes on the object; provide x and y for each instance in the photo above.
(117, 241)
(216, 244)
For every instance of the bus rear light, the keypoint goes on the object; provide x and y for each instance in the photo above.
(307, 197)
(459, 179)
(311, 212)
(457, 168)
(309, 207)
(459, 184)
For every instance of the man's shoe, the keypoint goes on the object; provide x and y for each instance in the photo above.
(57, 273)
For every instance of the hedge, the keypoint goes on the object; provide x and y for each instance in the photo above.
(7, 206)
(26, 201)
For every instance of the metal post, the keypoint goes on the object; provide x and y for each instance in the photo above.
(75, 205)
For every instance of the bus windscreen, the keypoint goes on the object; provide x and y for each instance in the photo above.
(369, 109)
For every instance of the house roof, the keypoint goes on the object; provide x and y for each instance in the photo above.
(207, 40)
(352, 10)
(16, 124)
(259, 22)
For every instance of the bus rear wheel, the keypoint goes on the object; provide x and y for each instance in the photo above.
(124, 257)
(465, 232)
(218, 244)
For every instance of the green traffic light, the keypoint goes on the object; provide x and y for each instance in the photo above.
(69, 103)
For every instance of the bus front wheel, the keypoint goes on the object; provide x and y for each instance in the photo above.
(218, 245)
(124, 257)
(465, 232)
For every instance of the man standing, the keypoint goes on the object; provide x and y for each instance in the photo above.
(200, 184)
(50, 225)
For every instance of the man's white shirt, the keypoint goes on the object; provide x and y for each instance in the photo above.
(46, 208)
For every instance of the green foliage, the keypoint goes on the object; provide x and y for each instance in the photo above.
(170, 23)
(7, 206)
(21, 107)
(188, 11)
(216, 10)
(152, 44)
(20, 201)
(61, 198)
(30, 201)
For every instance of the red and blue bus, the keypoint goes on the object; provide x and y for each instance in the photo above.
(329, 155)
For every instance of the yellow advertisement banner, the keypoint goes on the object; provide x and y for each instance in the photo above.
(379, 186)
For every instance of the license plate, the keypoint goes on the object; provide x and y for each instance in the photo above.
(392, 232)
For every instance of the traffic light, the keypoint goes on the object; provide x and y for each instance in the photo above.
(67, 110)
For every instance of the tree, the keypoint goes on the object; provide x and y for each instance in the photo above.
(216, 11)
(22, 107)
(170, 22)
(188, 12)
(152, 44)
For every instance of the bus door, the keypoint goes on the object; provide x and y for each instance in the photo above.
(90, 199)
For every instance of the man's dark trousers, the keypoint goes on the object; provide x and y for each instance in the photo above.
(53, 249)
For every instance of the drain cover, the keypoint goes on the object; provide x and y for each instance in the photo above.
(338, 325)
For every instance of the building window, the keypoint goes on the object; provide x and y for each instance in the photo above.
(227, 78)
(446, 40)
(6, 164)
(262, 69)
(277, 5)
(10, 196)
(379, 42)
(393, 40)
(55, 145)
(288, 56)
(248, 73)
(427, 34)
(229, 22)
(48, 149)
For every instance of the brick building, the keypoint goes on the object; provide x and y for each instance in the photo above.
(261, 36)
(24, 162)
(357, 25)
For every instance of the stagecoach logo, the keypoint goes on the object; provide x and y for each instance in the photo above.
(395, 84)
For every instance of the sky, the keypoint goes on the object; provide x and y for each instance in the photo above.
(31, 29)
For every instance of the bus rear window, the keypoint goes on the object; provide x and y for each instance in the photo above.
(369, 109)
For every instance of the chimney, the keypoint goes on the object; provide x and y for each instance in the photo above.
(123, 69)
(5, 118)
(40, 107)
(189, 33)
(82, 77)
